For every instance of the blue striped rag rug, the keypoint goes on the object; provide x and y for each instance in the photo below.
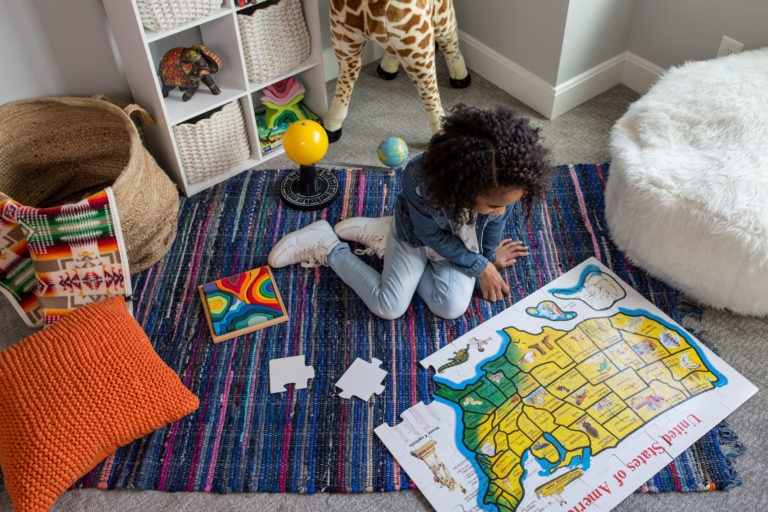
(242, 438)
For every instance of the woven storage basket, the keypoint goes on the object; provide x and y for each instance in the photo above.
(275, 40)
(160, 15)
(213, 145)
(56, 151)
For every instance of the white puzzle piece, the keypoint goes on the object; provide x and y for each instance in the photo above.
(562, 411)
(423, 443)
(289, 370)
(362, 379)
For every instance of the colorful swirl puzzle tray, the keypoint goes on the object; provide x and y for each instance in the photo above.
(242, 303)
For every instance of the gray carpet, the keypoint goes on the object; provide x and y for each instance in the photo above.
(382, 109)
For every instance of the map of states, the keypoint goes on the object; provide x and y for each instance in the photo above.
(562, 397)
(571, 398)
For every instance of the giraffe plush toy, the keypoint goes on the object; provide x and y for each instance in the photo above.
(407, 30)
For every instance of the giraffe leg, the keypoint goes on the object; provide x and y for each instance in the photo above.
(420, 68)
(447, 37)
(349, 55)
(387, 68)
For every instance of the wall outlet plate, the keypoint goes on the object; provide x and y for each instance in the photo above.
(729, 46)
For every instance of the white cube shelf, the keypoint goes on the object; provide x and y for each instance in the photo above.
(141, 51)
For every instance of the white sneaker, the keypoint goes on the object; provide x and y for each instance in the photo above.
(309, 246)
(371, 232)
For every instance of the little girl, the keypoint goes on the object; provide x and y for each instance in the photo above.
(446, 231)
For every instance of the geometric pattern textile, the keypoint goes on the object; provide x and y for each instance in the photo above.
(76, 251)
(17, 275)
(246, 439)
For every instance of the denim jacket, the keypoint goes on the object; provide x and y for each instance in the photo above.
(421, 225)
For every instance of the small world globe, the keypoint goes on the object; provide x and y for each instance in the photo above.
(393, 152)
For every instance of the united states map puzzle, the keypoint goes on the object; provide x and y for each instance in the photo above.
(569, 399)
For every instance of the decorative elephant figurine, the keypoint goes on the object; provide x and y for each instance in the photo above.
(186, 67)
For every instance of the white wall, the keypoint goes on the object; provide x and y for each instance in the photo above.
(57, 48)
(62, 47)
(669, 32)
(595, 31)
(323, 10)
(529, 33)
(552, 55)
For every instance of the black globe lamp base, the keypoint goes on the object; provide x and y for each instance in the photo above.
(309, 188)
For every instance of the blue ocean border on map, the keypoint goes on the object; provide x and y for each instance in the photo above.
(582, 276)
(583, 460)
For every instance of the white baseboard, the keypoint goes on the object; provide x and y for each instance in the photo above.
(587, 85)
(372, 53)
(508, 75)
(639, 74)
(550, 100)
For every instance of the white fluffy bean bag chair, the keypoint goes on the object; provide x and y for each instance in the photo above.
(687, 193)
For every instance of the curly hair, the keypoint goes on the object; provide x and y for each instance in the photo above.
(479, 151)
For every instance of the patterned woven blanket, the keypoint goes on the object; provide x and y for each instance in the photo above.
(243, 438)
(53, 260)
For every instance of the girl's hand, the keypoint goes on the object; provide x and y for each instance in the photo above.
(508, 251)
(492, 284)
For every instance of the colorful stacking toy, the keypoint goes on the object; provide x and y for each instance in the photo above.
(283, 107)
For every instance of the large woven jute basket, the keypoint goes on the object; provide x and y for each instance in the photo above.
(56, 151)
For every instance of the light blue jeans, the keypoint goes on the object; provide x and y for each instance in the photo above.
(407, 270)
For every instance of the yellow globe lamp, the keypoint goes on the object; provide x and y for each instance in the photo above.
(305, 142)
(308, 187)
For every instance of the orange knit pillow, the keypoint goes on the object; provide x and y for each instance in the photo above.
(73, 393)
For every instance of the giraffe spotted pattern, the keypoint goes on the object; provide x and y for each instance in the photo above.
(407, 30)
